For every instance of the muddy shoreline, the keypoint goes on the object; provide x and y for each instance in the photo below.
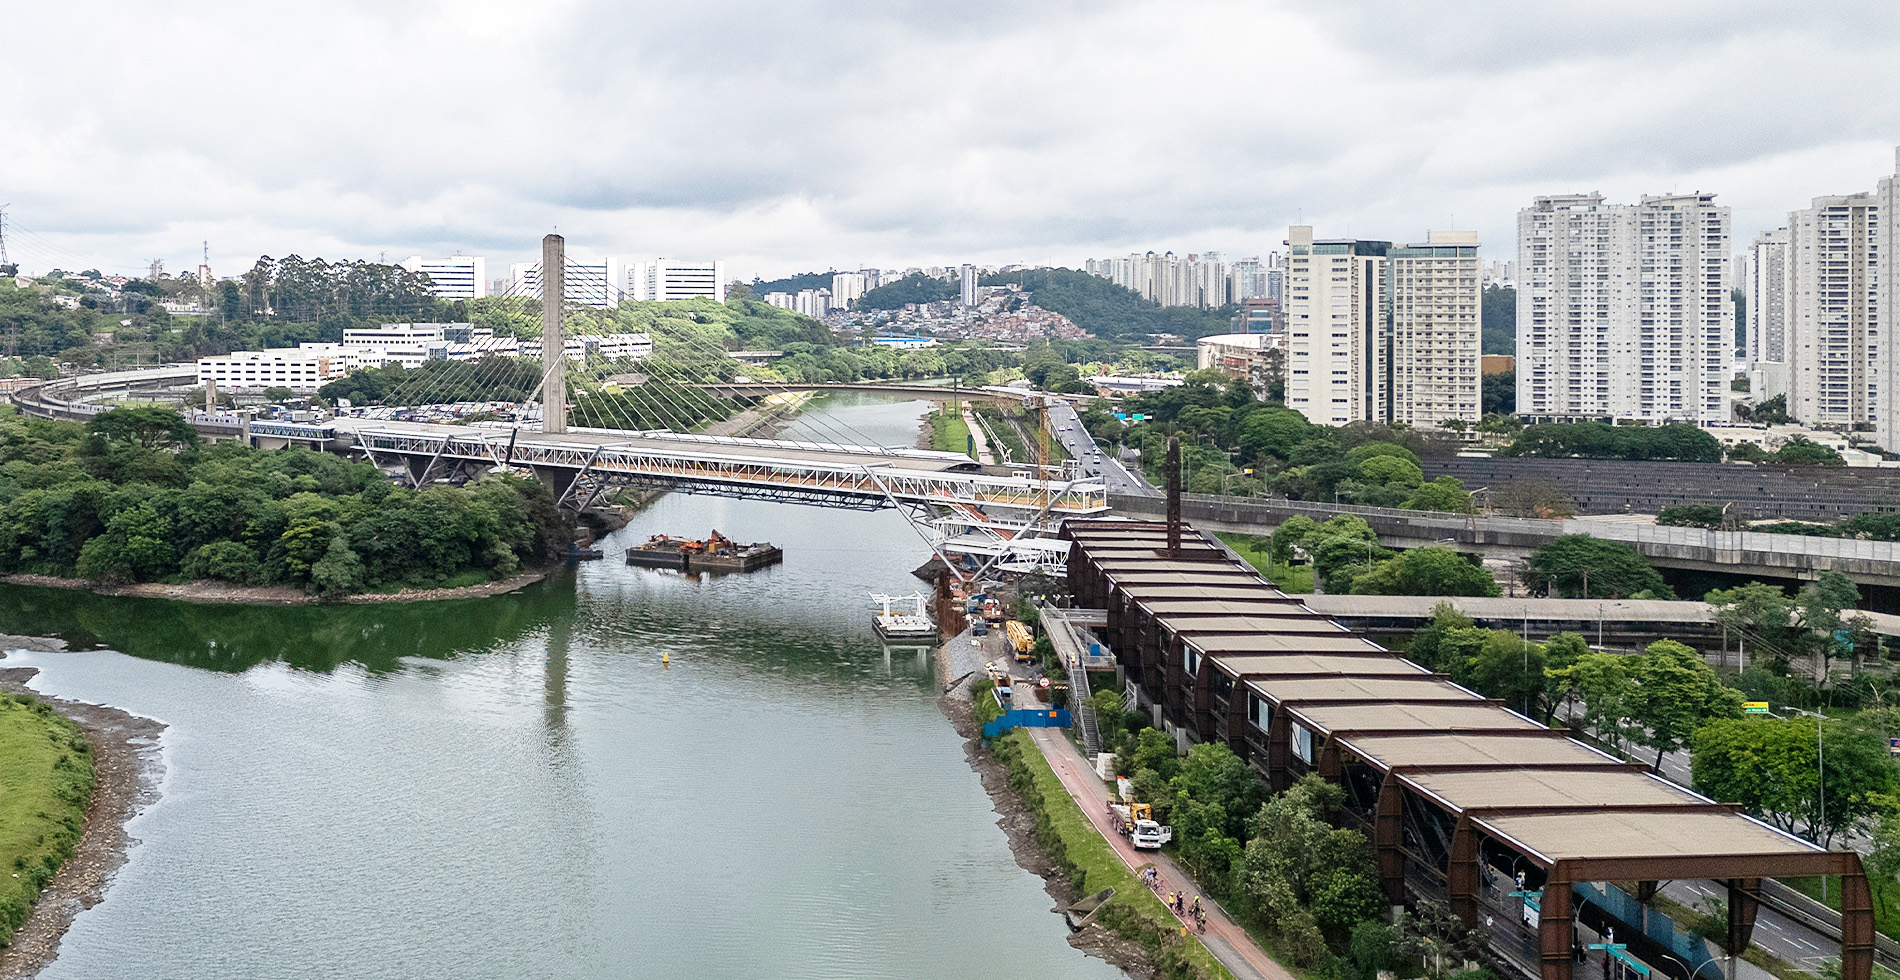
(214, 592)
(127, 766)
(1019, 826)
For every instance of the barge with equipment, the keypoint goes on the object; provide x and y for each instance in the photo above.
(717, 553)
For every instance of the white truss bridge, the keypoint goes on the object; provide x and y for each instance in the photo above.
(1007, 519)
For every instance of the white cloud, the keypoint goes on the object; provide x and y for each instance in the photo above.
(801, 133)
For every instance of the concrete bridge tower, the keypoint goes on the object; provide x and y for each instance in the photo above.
(553, 336)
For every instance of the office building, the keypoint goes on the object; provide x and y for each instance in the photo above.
(304, 368)
(1385, 334)
(847, 287)
(664, 281)
(1832, 319)
(454, 277)
(1623, 311)
(967, 280)
(598, 284)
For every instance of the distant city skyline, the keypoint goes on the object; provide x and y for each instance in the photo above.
(787, 138)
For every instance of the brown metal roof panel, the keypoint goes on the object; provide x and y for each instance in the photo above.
(1127, 566)
(1240, 589)
(1404, 688)
(1552, 788)
(1448, 749)
(1230, 643)
(1644, 834)
(1274, 604)
(1424, 717)
(1304, 663)
(1190, 623)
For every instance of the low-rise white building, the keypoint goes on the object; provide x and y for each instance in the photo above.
(611, 345)
(306, 367)
(454, 277)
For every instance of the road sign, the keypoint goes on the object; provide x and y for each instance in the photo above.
(1140, 417)
(1755, 707)
(1893, 746)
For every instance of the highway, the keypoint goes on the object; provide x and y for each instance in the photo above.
(1080, 445)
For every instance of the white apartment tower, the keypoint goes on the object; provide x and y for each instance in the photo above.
(1832, 311)
(454, 277)
(1886, 248)
(967, 283)
(1767, 297)
(1623, 311)
(663, 281)
(847, 287)
(1377, 333)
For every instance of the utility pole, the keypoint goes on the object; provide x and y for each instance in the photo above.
(553, 337)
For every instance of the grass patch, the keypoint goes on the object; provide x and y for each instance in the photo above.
(985, 707)
(46, 783)
(948, 433)
(1092, 865)
(1297, 579)
(1886, 900)
(1001, 430)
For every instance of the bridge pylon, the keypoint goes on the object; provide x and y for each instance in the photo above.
(553, 335)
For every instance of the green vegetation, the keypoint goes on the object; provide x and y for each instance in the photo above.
(1498, 316)
(1258, 552)
(1107, 310)
(1770, 767)
(948, 433)
(1499, 395)
(1797, 451)
(1764, 616)
(131, 497)
(1496, 663)
(1000, 426)
(1578, 566)
(46, 783)
(1091, 865)
(1346, 555)
(791, 284)
(915, 288)
(1595, 440)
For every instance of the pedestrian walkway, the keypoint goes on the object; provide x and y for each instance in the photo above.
(982, 441)
(1224, 938)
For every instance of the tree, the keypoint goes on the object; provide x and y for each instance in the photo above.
(1499, 664)
(1499, 397)
(1821, 603)
(1799, 451)
(149, 427)
(1757, 612)
(1498, 318)
(1447, 494)
(1771, 768)
(1602, 682)
(1580, 566)
(1675, 692)
(1431, 570)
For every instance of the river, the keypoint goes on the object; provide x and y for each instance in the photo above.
(519, 786)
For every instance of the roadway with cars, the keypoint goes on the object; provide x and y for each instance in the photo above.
(1095, 463)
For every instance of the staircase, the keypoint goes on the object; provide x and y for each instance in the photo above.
(1073, 652)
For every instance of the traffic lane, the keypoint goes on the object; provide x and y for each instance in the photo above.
(1774, 932)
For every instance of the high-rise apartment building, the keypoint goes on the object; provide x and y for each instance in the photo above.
(813, 303)
(1832, 311)
(1169, 280)
(1766, 289)
(664, 280)
(454, 277)
(1623, 311)
(1886, 246)
(1378, 333)
(598, 284)
(967, 281)
(846, 287)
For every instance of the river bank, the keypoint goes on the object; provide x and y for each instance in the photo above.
(214, 592)
(126, 768)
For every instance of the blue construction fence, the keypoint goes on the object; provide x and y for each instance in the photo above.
(1027, 718)
(1657, 926)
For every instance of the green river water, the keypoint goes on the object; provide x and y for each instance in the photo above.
(518, 787)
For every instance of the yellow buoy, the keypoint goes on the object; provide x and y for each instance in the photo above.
(666, 661)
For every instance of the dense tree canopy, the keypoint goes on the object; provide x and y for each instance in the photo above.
(1107, 310)
(127, 498)
(1499, 320)
(916, 288)
(1771, 767)
(1595, 440)
(1578, 566)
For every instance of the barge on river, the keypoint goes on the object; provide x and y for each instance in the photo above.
(717, 553)
(895, 624)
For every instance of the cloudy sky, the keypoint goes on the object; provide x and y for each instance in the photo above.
(786, 135)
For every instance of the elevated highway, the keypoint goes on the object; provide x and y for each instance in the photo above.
(1789, 556)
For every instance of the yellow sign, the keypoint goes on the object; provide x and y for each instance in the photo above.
(1755, 707)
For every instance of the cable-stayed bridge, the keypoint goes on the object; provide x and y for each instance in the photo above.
(1004, 516)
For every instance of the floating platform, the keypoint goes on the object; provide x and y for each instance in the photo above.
(715, 554)
(892, 624)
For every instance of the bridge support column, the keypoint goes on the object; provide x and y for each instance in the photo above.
(1554, 930)
(1387, 825)
(1462, 875)
(1744, 898)
(557, 480)
(1857, 922)
(553, 337)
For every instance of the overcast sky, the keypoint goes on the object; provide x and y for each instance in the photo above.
(787, 135)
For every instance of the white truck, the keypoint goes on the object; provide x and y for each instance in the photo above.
(1135, 821)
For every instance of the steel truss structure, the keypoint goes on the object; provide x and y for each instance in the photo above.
(1007, 521)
